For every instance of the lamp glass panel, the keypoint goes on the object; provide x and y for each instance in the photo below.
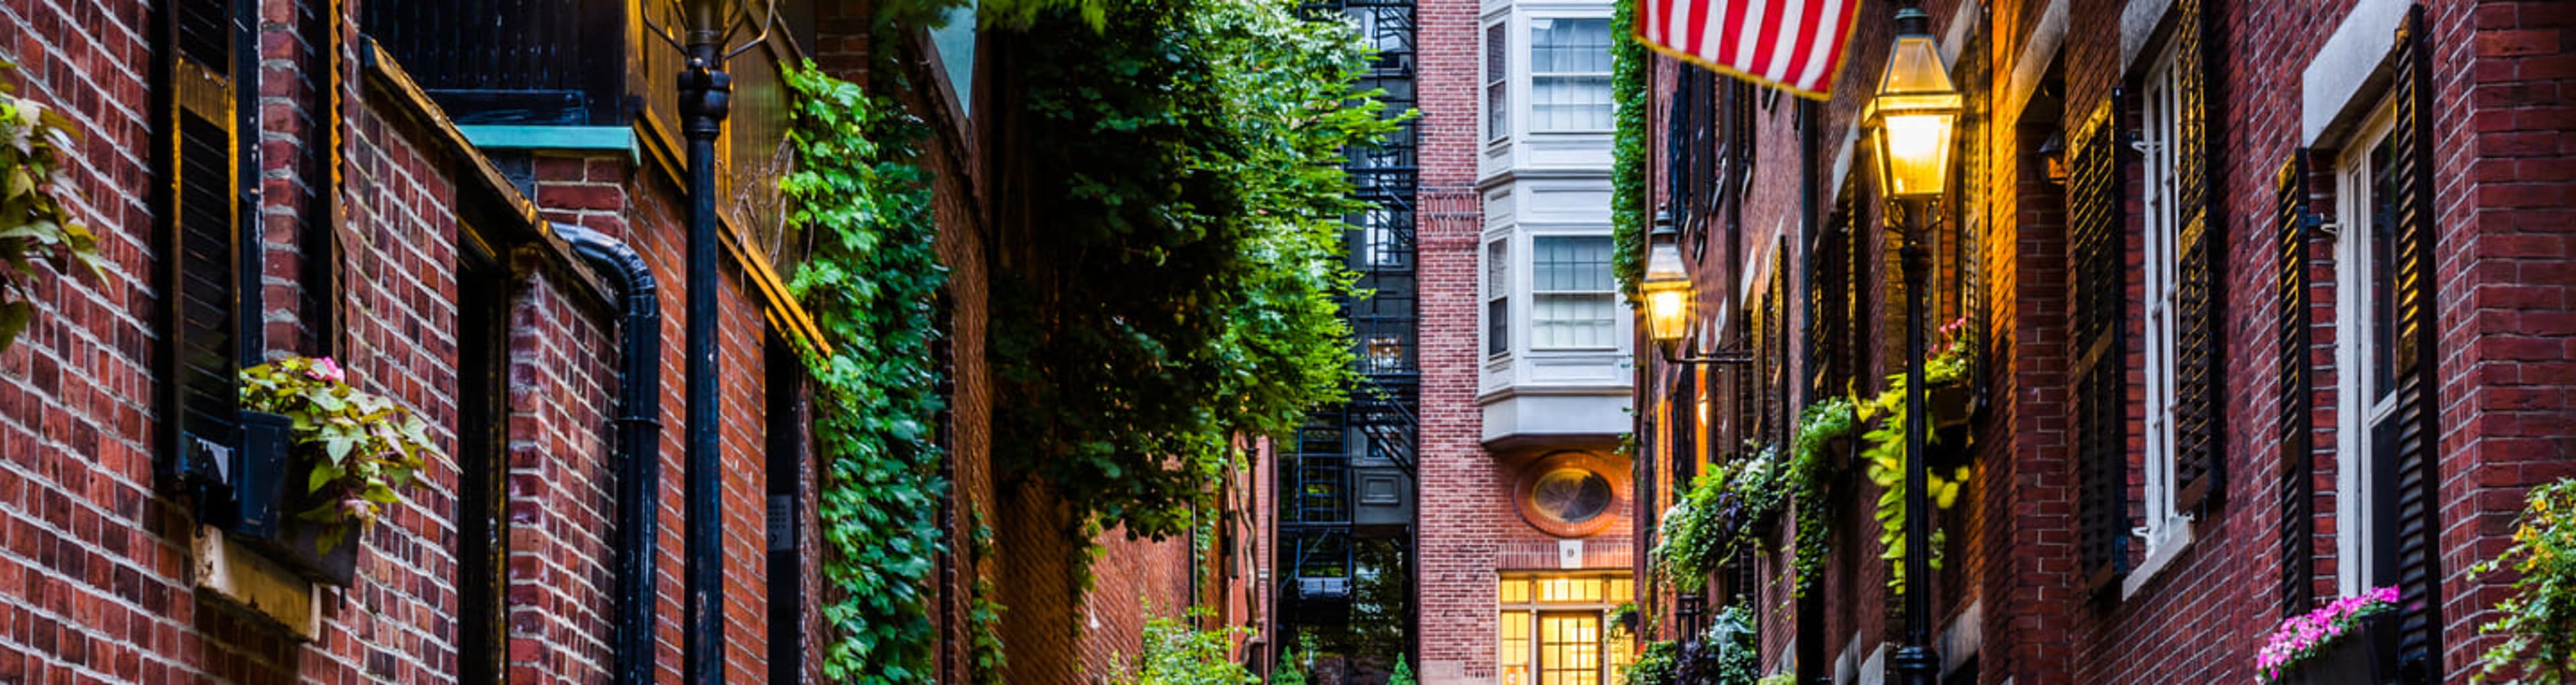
(1667, 314)
(1915, 151)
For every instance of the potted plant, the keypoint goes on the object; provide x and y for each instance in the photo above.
(1945, 376)
(2347, 642)
(2538, 623)
(349, 455)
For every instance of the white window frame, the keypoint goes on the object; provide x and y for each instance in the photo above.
(2160, 333)
(1608, 290)
(2356, 402)
(1527, 55)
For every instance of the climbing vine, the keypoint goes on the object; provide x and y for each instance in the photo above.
(1627, 148)
(1183, 289)
(869, 285)
(36, 223)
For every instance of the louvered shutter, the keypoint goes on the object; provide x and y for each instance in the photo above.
(2417, 434)
(207, 335)
(2100, 400)
(2296, 388)
(2199, 464)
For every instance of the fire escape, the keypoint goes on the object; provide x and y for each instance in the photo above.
(1347, 482)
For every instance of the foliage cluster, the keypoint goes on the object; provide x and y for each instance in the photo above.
(869, 284)
(35, 223)
(1178, 654)
(1184, 289)
(1718, 516)
(1728, 653)
(1628, 61)
(2538, 623)
(1658, 664)
(1821, 423)
(1403, 674)
(360, 447)
(1884, 453)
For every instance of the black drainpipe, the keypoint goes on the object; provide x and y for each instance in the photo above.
(639, 445)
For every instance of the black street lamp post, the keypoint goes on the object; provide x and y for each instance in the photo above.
(1911, 120)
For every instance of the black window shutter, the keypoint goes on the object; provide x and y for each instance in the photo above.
(2098, 291)
(2296, 386)
(2417, 433)
(208, 337)
(2199, 464)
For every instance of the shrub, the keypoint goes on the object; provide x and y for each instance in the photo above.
(2538, 623)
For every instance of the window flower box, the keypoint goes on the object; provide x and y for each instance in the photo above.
(2352, 641)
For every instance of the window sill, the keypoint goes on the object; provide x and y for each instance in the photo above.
(2161, 553)
(261, 587)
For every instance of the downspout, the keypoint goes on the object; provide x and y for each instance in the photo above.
(639, 445)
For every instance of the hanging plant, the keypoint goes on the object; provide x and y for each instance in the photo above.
(1819, 425)
(2537, 623)
(357, 450)
(35, 222)
(2303, 638)
(1884, 456)
(1627, 149)
(1719, 517)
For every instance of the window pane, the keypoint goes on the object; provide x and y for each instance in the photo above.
(1515, 591)
(1514, 635)
(1497, 82)
(1498, 301)
(1569, 74)
(2383, 266)
(1570, 263)
(1570, 649)
(1569, 103)
(1572, 321)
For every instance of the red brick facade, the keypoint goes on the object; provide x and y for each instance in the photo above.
(2497, 109)
(98, 576)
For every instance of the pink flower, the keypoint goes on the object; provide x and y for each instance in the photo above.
(327, 371)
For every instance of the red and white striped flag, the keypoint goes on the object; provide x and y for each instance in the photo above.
(1793, 44)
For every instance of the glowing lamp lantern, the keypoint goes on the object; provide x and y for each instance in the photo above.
(1913, 116)
(1666, 287)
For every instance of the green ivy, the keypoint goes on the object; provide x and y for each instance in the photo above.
(35, 222)
(869, 285)
(1177, 654)
(1820, 423)
(1628, 198)
(1184, 290)
(2537, 624)
(1716, 519)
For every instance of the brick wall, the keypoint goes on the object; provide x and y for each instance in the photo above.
(99, 590)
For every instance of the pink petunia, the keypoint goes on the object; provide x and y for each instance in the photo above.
(328, 371)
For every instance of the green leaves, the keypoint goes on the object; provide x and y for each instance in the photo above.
(1627, 148)
(34, 222)
(368, 444)
(2537, 623)
(1184, 289)
(869, 284)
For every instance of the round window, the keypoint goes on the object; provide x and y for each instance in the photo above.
(1571, 495)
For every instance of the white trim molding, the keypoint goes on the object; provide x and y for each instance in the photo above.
(2349, 65)
(2138, 23)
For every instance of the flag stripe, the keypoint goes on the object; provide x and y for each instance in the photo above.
(1796, 44)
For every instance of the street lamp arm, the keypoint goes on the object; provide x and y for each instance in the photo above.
(1720, 358)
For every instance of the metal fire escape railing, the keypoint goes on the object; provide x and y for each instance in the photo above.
(1346, 481)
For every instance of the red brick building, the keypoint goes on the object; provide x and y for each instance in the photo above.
(477, 219)
(2267, 308)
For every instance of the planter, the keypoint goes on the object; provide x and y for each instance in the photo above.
(1949, 405)
(295, 543)
(2365, 656)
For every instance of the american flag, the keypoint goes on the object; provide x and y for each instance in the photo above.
(1793, 44)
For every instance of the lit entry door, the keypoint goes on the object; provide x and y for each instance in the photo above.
(1569, 649)
(1555, 629)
